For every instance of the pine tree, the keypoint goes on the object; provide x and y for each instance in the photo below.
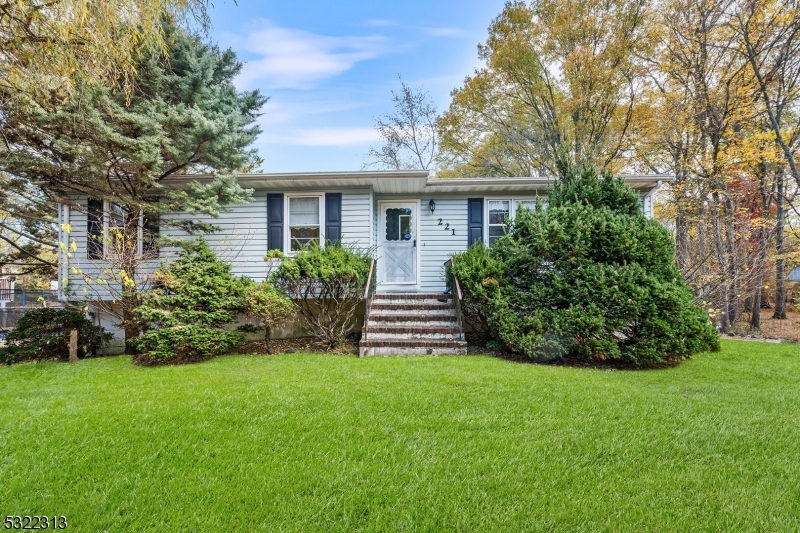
(183, 116)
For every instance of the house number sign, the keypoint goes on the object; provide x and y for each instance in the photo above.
(447, 226)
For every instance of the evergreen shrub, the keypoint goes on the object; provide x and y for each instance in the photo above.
(326, 285)
(44, 333)
(186, 314)
(588, 278)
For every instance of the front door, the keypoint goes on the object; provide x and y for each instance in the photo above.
(397, 234)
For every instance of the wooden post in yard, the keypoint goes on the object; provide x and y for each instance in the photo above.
(73, 345)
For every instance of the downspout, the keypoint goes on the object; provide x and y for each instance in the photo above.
(649, 197)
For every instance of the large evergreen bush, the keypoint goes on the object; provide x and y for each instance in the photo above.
(195, 298)
(589, 278)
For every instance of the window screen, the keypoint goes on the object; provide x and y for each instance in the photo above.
(498, 211)
(303, 221)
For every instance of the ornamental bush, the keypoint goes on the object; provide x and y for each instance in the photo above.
(588, 278)
(326, 285)
(187, 312)
(44, 334)
(269, 306)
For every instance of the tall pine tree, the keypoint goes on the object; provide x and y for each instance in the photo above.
(183, 116)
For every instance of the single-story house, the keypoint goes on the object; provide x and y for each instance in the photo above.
(412, 221)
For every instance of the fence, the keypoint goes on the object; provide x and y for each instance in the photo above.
(15, 303)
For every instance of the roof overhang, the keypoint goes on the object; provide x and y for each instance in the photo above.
(399, 182)
(499, 184)
(391, 181)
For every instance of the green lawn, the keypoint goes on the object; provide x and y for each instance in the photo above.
(306, 442)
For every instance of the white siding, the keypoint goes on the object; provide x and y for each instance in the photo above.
(356, 211)
(242, 239)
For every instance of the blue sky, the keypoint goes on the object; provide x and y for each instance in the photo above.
(328, 68)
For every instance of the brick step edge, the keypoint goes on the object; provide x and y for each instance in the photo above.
(386, 306)
(411, 343)
(410, 296)
(411, 318)
(411, 330)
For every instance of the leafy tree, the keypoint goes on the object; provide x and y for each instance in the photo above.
(560, 81)
(589, 278)
(184, 116)
(410, 134)
(50, 47)
(267, 305)
(707, 124)
(186, 312)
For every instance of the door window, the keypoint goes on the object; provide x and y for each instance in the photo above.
(398, 224)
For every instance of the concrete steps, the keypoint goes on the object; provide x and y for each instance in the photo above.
(412, 324)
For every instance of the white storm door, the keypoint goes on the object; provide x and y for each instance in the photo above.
(398, 243)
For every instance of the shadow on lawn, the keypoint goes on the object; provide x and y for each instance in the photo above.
(478, 346)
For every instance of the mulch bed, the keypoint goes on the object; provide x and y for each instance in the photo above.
(297, 345)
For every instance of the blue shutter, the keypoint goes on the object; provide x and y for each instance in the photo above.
(94, 230)
(333, 217)
(475, 220)
(275, 221)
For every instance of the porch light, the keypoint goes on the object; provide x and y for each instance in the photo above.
(432, 205)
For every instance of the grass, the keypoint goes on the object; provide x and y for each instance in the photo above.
(307, 442)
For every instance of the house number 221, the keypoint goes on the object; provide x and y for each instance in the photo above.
(447, 226)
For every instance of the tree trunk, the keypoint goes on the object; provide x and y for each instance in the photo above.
(780, 262)
(733, 270)
(723, 290)
(681, 225)
(755, 310)
(700, 285)
(268, 338)
(132, 332)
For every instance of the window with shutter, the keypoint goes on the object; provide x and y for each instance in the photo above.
(94, 233)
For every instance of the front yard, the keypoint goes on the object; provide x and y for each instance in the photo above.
(307, 442)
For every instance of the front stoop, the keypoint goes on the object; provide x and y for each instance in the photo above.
(412, 324)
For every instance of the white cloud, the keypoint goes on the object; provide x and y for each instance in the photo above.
(322, 136)
(380, 23)
(297, 59)
(444, 32)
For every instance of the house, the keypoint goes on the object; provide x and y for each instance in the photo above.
(412, 221)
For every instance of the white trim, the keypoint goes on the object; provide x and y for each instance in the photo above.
(287, 243)
(415, 203)
(372, 231)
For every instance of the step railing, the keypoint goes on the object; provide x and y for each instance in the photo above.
(369, 292)
(458, 296)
